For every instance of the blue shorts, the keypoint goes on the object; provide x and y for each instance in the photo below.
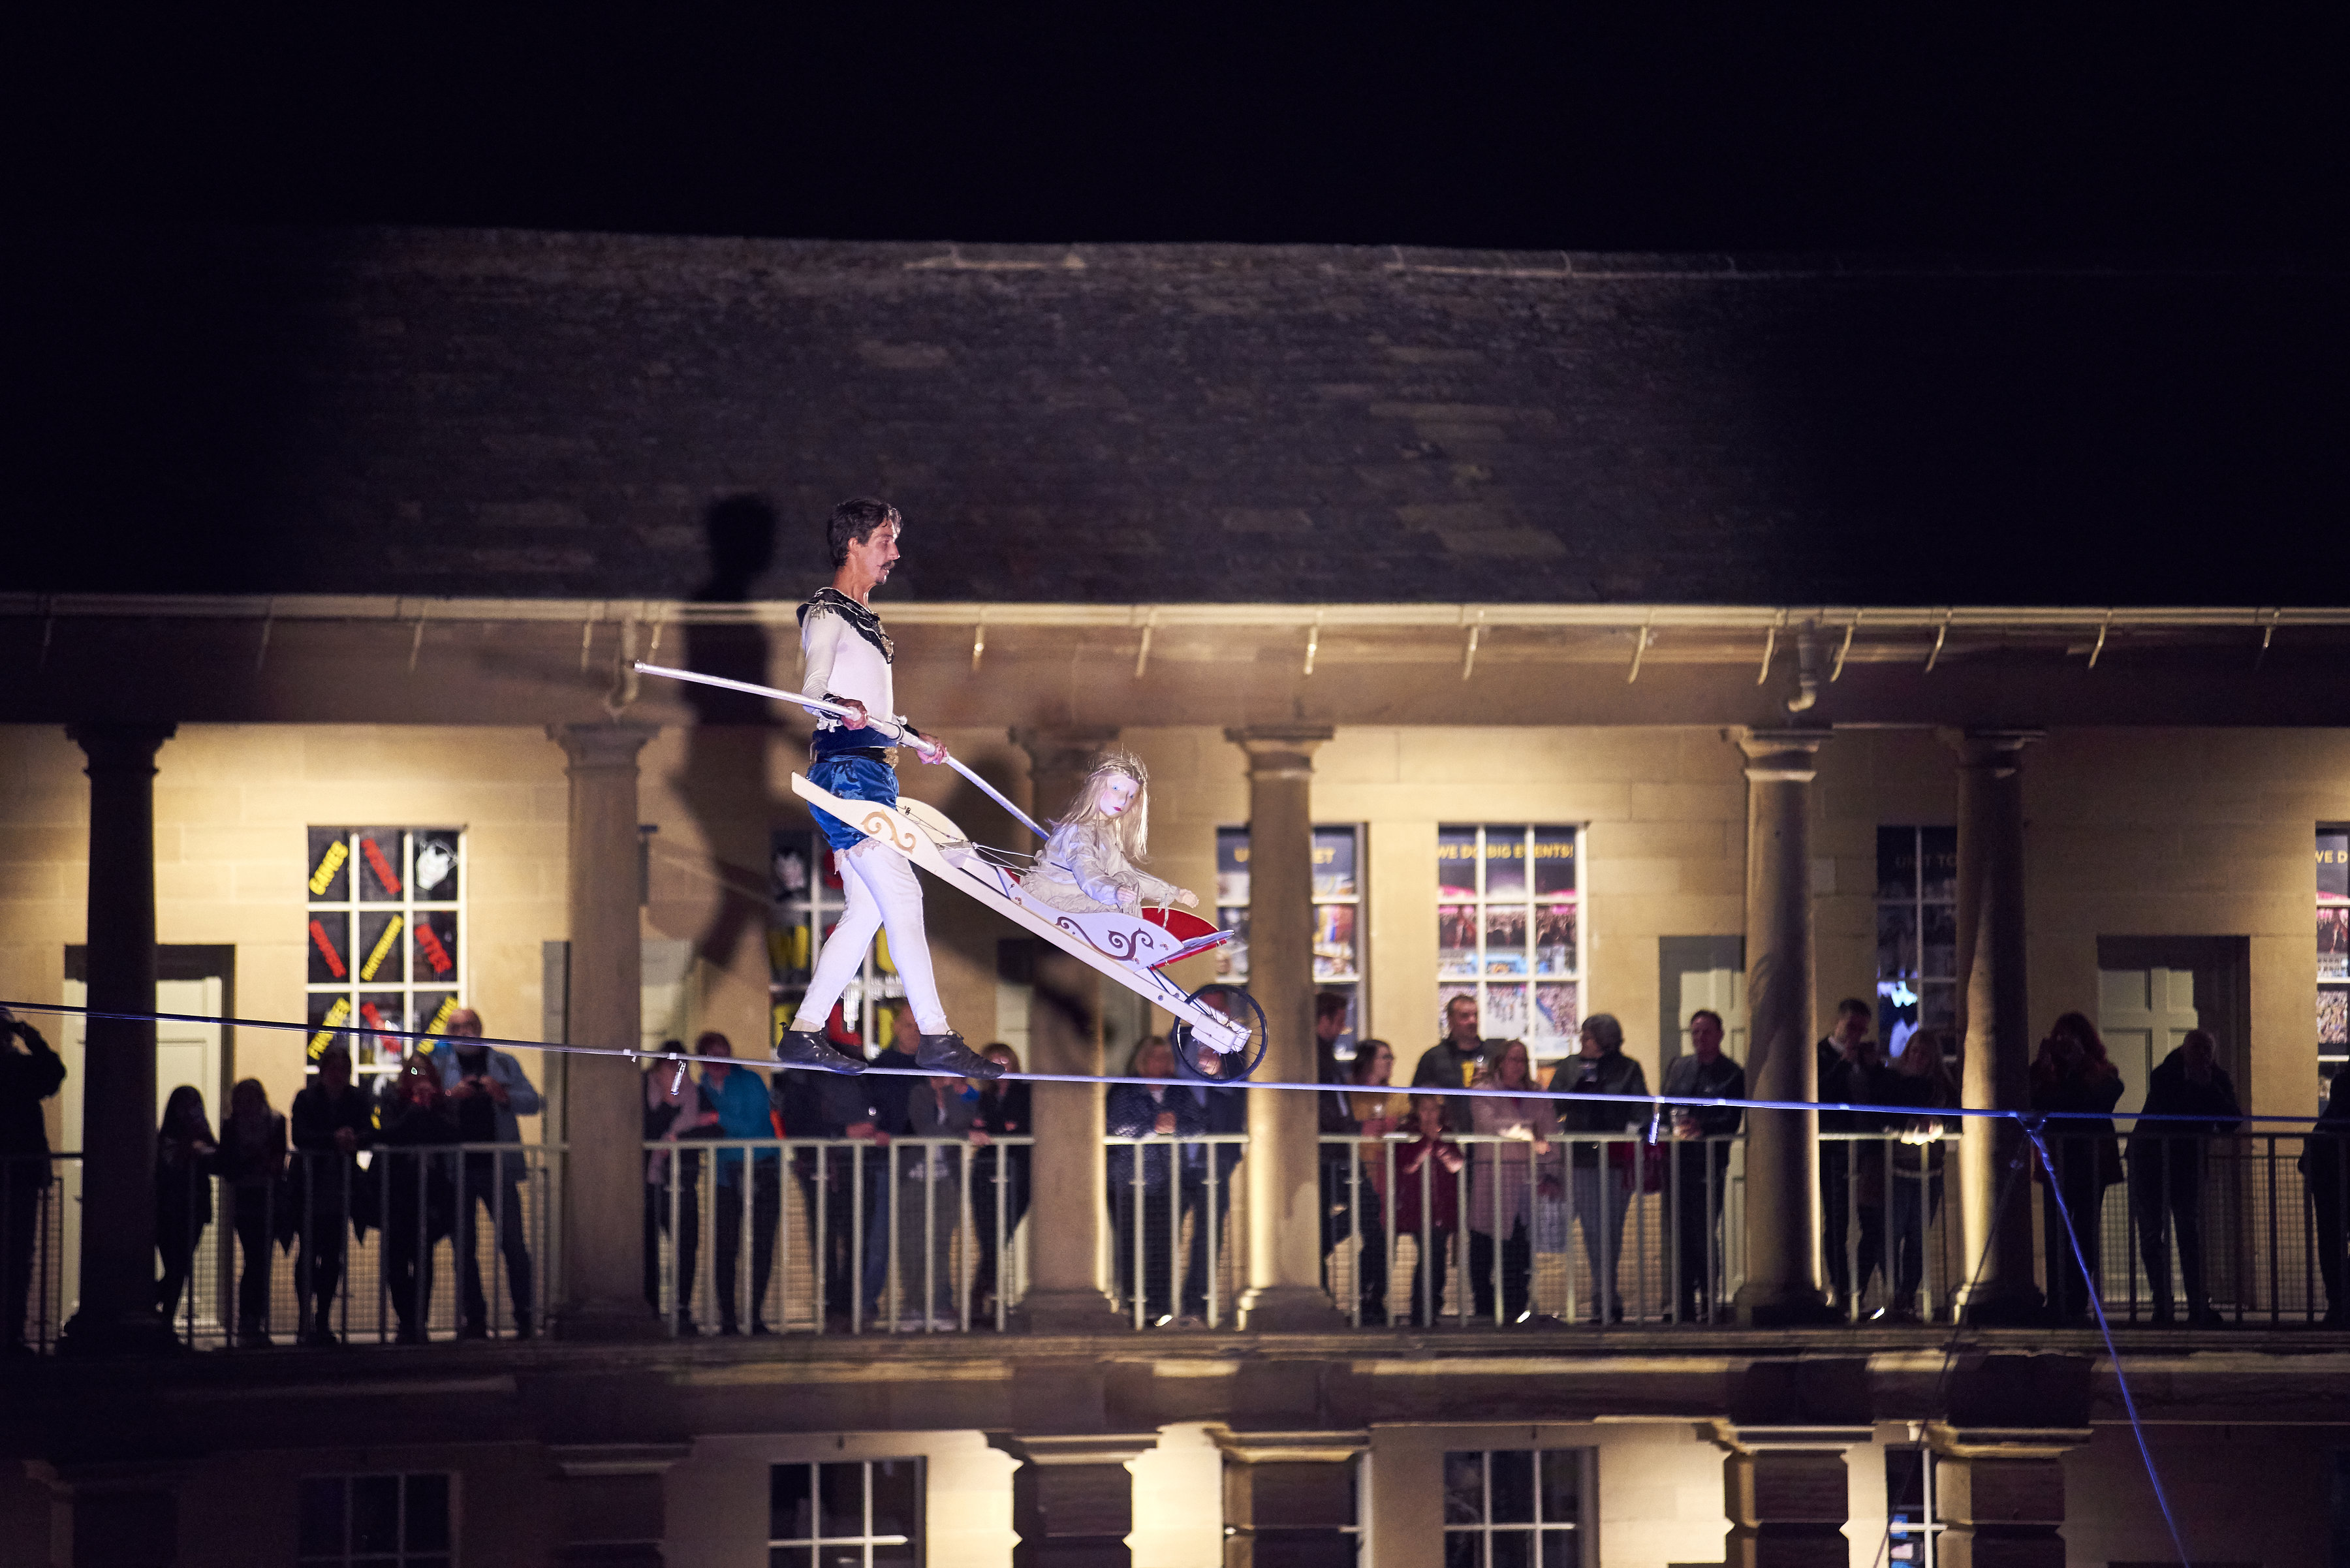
(851, 778)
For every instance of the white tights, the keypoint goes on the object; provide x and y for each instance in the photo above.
(883, 895)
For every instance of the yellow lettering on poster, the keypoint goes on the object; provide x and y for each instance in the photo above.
(382, 950)
(328, 864)
(336, 1014)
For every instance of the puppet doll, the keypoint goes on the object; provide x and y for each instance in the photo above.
(1091, 862)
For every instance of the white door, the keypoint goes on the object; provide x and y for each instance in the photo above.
(1724, 991)
(184, 1054)
(2142, 1013)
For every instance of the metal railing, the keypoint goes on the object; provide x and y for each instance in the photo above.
(1890, 1247)
(411, 1244)
(921, 1236)
(1175, 1255)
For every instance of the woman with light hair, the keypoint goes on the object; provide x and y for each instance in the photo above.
(1092, 863)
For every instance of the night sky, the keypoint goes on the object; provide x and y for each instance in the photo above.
(2135, 130)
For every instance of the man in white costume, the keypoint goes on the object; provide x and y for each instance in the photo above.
(848, 659)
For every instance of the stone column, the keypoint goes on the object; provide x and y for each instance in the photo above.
(1995, 1021)
(2000, 1494)
(1072, 1498)
(1787, 1494)
(1065, 1171)
(1782, 1165)
(1289, 1496)
(1281, 1171)
(602, 1293)
(614, 1509)
(118, 1120)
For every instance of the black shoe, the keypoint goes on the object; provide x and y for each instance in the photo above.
(726, 1330)
(686, 1327)
(523, 1326)
(807, 1048)
(759, 1327)
(324, 1338)
(948, 1054)
(474, 1330)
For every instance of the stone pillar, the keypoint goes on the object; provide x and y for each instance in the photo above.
(602, 1293)
(118, 1120)
(2000, 1494)
(1783, 1283)
(1065, 1173)
(1289, 1496)
(1282, 1172)
(1994, 1022)
(1072, 1498)
(1786, 1493)
(615, 1514)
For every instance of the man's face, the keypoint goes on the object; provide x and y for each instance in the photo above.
(466, 1025)
(334, 1071)
(1461, 1017)
(872, 557)
(1705, 1039)
(718, 1052)
(1851, 1029)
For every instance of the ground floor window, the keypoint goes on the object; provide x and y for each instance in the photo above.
(851, 1513)
(1517, 1508)
(1912, 1531)
(379, 1521)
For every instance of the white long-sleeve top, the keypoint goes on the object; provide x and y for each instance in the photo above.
(836, 660)
(1082, 870)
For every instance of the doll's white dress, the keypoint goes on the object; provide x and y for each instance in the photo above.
(1084, 871)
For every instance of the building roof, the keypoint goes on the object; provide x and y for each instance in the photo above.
(534, 415)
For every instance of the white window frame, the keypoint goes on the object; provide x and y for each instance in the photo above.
(406, 1556)
(1586, 1460)
(866, 1539)
(1910, 988)
(813, 911)
(1517, 1022)
(1926, 1531)
(351, 989)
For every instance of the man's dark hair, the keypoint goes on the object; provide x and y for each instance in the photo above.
(1329, 1004)
(853, 522)
(1452, 1002)
(1707, 1012)
(1853, 1006)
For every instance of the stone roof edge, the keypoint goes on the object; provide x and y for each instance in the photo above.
(551, 253)
(406, 609)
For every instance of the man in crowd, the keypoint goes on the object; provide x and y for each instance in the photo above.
(1847, 1063)
(28, 1076)
(1452, 1062)
(804, 1105)
(742, 1175)
(1223, 1110)
(488, 1090)
(1330, 1009)
(1700, 1168)
(2166, 1169)
(873, 1108)
(333, 1120)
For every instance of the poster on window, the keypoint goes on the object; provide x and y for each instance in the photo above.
(1334, 862)
(330, 864)
(2334, 942)
(435, 955)
(1231, 866)
(330, 946)
(2334, 863)
(434, 870)
(1334, 942)
(380, 853)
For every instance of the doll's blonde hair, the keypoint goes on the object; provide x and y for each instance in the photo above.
(1132, 830)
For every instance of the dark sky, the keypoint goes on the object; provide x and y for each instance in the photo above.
(1930, 128)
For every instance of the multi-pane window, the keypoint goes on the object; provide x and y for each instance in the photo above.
(2332, 950)
(1912, 1533)
(1516, 1507)
(1917, 932)
(807, 901)
(1337, 914)
(851, 1513)
(384, 937)
(377, 1521)
(1508, 932)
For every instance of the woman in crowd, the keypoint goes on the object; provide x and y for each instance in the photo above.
(1002, 1113)
(333, 1120)
(1375, 1114)
(420, 1191)
(2073, 1073)
(1142, 1191)
(1427, 1205)
(1503, 1179)
(252, 1165)
(673, 1110)
(1602, 1186)
(184, 1151)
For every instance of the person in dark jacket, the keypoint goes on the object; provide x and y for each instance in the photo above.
(873, 1108)
(419, 1188)
(1221, 1111)
(999, 1176)
(1601, 1187)
(333, 1120)
(1701, 1159)
(252, 1165)
(184, 1151)
(1142, 1188)
(1848, 1058)
(1455, 1061)
(2325, 1173)
(2166, 1169)
(1905, 1168)
(805, 1104)
(2073, 1073)
(674, 1111)
(26, 1078)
